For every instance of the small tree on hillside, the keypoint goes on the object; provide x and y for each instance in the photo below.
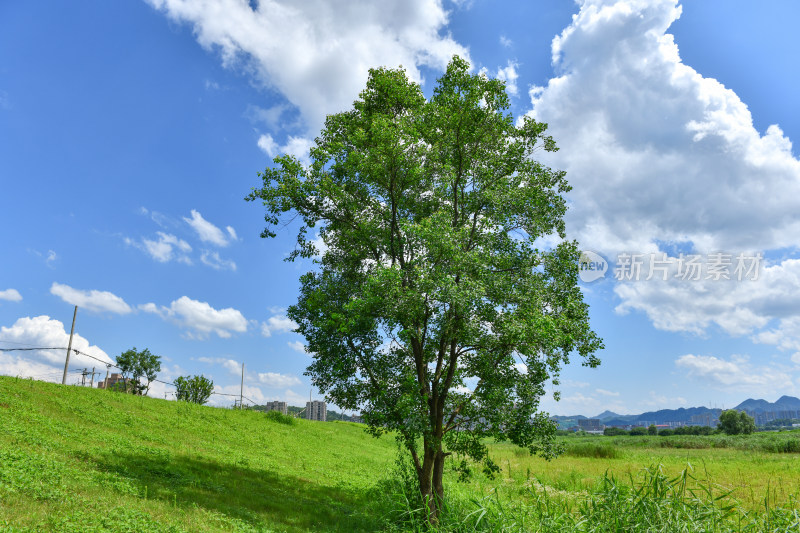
(194, 389)
(138, 369)
(733, 422)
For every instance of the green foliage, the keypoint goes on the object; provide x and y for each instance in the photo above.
(280, 418)
(666, 432)
(613, 432)
(194, 389)
(648, 501)
(734, 422)
(693, 430)
(652, 429)
(781, 423)
(638, 431)
(592, 449)
(431, 278)
(139, 369)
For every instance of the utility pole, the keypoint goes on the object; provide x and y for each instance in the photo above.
(91, 385)
(241, 390)
(83, 377)
(72, 331)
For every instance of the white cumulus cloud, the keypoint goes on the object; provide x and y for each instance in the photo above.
(296, 146)
(317, 53)
(92, 300)
(200, 318)
(11, 295)
(44, 332)
(226, 394)
(654, 150)
(657, 153)
(277, 324)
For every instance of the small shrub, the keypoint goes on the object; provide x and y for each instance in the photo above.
(277, 416)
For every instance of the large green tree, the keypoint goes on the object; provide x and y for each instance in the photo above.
(435, 307)
(733, 422)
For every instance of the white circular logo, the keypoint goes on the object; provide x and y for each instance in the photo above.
(592, 266)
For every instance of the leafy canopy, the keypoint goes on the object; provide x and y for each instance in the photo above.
(433, 307)
(139, 369)
(735, 422)
(194, 389)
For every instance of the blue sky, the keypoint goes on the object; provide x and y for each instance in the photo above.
(131, 131)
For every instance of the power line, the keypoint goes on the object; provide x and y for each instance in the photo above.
(31, 349)
(19, 343)
(108, 365)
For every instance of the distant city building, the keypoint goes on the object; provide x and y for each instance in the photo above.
(357, 418)
(705, 419)
(590, 424)
(762, 418)
(317, 410)
(276, 406)
(110, 381)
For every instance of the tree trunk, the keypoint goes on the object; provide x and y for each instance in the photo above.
(438, 473)
(429, 476)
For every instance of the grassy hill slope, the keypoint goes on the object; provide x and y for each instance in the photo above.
(80, 459)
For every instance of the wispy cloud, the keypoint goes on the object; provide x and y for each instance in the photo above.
(509, 75)
(737, 371)
(214, 260)
(208, 232)
(298, 347)
(167, 247)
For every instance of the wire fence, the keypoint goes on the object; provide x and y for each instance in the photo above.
(55, 374)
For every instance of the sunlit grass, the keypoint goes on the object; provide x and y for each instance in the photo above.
(71, 456)
(77, 459)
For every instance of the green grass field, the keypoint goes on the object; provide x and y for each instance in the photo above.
(79, 459)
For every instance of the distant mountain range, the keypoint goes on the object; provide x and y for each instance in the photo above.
(610, 418)
(784, 403)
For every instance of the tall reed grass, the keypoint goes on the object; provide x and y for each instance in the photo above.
(651, 501)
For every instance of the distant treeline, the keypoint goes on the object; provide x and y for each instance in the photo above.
(652, 430)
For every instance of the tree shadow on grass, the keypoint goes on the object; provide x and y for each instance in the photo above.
(260, 498)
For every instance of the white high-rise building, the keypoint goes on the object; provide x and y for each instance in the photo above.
(317, 410)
